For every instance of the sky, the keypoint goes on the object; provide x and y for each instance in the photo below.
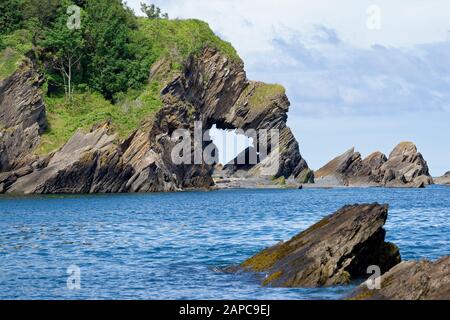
(363, 74)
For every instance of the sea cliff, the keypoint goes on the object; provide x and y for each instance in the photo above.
(209, 86)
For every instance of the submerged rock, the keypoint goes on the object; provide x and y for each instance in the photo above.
(411, 280)
(405, 167)
(335, 251)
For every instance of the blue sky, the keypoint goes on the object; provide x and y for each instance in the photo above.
(367, 74)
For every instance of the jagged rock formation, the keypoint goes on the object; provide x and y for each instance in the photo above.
(212, 89)
(411, 280)
(87, 163)
(336, 171)
(405, 167)
(334, 251)
(445, 179)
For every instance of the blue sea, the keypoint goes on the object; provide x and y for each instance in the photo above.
(172, 245)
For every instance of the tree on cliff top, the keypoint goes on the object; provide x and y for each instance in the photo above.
(112, 65)
(64, 50)
(44, 11)
(153, 12)
(102, 51)
(10, 16)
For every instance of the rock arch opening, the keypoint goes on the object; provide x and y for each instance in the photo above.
(229, 143)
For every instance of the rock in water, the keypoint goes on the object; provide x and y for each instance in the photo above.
(337, 171)
(334, 251)
(405, 167)
(411, 280)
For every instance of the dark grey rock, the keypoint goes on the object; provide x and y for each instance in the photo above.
(22, 116)
(335, 251)
(411, 280)
(219, 93)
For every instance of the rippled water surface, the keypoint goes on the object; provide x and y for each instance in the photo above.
(168, 246)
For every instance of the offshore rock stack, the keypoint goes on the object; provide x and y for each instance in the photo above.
(405, 167)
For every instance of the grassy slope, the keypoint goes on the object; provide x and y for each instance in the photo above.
(177, 39)
(16, 46)
(90, 108)
(265, 93)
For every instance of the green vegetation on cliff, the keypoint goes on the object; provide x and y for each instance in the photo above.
(178, 39)
(264, 93)
(10, 17)
(90, 108)
(100, 71)
(14, 47)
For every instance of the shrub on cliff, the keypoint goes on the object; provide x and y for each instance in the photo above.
(153, 12)
(10, 17)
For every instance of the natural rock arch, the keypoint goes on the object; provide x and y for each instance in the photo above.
(218, 92)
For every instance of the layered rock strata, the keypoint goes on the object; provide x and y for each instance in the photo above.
(22, 116)
(335, 251)
(411, 280)
(405, 167)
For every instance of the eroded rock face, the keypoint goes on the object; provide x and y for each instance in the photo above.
(84, 165)
(337, 171)
(405, 167)
(211, 89)
(334, 251)
(411, 280)
(22, 116)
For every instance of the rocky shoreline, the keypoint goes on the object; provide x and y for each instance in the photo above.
(404, 168)
(343, 248)
(185, 78)
(211, 89)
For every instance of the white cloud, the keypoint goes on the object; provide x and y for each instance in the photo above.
(328, 59)
(326, 76)
(404, 22)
